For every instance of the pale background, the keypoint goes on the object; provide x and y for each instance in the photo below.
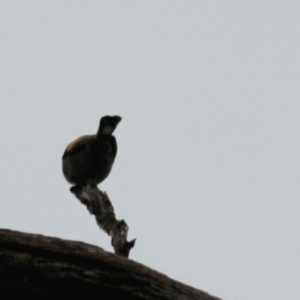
(207, 174)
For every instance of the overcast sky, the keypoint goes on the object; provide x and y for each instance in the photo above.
(207, 172)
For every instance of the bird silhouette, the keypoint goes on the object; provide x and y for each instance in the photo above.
(89, 158)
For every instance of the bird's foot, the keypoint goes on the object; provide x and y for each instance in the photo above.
(75, 188)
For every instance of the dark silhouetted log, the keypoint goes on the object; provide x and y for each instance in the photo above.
(38, 265)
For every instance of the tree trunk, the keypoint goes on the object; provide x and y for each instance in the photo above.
(33, 264)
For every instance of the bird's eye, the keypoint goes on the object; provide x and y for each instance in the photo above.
(108, 130)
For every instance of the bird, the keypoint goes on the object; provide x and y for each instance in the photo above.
(89, 158)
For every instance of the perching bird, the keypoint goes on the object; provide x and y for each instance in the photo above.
(89, 159)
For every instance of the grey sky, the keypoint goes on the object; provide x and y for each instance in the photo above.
(207, 173)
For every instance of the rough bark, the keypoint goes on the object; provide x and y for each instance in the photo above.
(33, 264)
(99, 205)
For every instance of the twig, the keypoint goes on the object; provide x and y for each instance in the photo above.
(99, 205)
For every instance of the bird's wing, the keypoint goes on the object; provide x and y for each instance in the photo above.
(77, 144)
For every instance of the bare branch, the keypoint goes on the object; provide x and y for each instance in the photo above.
(99, 205)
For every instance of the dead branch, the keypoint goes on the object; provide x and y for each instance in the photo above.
(99, 205)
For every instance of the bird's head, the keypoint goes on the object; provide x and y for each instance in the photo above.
(108, 124)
